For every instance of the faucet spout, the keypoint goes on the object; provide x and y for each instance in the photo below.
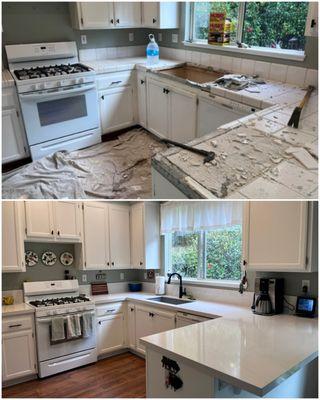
(180, 282)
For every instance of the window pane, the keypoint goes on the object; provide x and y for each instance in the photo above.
(275, 24)
(202, 12)
(224, 253)
(184, 254)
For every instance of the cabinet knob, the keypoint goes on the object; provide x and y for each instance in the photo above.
(102, 97)
(112, 21)
(154, 20)
(112, 263)
(52, 232)
(58, 233)
(99, 322)
(142, 81)
(108, 263)
(141, 263)
(118, 21)
(131, 309)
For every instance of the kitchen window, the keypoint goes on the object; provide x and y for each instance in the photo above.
(203, 242)
(268, 28)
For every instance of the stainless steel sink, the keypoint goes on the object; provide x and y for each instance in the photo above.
(169, 300)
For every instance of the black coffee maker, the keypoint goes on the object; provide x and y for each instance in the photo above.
(268, 296)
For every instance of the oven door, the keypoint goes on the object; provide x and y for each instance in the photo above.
(56, 113)
(48, 351)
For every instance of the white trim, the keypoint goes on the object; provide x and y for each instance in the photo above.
(208, 282)
(258, 51)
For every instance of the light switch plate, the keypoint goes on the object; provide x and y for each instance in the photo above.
(84, 278)
(83, 39)
(174, 38)
(131, 37)
(159, 37)
(305, 283)
(121, 276)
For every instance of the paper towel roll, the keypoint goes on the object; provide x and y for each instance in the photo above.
(160, 285)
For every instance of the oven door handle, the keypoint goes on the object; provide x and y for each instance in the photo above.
(59, 93)
(46, 320)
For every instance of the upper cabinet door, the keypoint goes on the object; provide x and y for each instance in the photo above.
(277, 236)
(39, 219)
(150, 14)
(137, 235)
(161, 15)
(119, 228)
(67, 220)
(127, 14)
(12, 238)
(96, 15)
(96, 235)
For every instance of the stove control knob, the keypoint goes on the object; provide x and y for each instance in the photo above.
(40, 86)
(58, 83)
(80, 80)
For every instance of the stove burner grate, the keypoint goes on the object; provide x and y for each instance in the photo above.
(52, 70)
(59, 301)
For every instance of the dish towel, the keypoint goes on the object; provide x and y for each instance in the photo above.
(57, 329)
(87, 324)
(73, 326)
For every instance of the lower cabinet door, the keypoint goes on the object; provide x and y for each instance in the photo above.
(163, 322)
(157, 106)
(144, 326)
(13, 146)
(131, 324)
(18, 355)
(111, 333)
(116, 108)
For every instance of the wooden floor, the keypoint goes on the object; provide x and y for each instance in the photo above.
(118, 376)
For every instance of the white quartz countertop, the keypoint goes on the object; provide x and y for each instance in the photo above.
(17, 309)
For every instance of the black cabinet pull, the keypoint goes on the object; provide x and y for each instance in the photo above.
(58, 233)
(154, 20)
(112, 263)
(102, 97)
(15, 326)
(118, 21)
(151, 314)
(99, 322)
(111, 20)
(142, 81)
(108, 263)
(141, 263)
(313, 23)
(52, 232)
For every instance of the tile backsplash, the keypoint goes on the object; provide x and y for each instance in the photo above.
(108, 53)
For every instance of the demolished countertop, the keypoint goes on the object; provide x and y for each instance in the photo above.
(257, 156)
(7, 79)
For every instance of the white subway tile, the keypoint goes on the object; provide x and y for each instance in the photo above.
(236, 65)
(205, 59)
(180, 55)
(278, 72)
(111, 52)
(122, 52)
(311, 77)
(101, 54)
(188, 56)
(226, 63)
(87, 54)
(247, 66)
(296, 75)
(195, 57)
(262, 69)
(215, 61)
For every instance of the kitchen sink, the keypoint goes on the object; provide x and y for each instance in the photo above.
(169, 300)
(193, 74)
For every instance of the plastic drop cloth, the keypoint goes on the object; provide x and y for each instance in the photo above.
(120, 168)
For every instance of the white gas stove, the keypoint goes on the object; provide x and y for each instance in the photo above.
(58, 97)
(61, 300)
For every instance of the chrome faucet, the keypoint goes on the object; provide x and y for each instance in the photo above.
(181, 292)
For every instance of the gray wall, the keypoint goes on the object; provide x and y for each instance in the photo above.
(311, 49)
(41, 272)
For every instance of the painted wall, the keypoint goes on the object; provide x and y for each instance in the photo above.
(41, 272)
(311, 49)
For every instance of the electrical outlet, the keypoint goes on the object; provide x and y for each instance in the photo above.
(160, 37)
(84, 278)
(83, 39)
(121, 276)
(174, 38)
(305, 283)
(131, 37)
(145, 275)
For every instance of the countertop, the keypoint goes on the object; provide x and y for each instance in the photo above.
(17, 309)
(7, 79)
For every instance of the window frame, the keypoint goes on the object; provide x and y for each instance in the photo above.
(286, 54)
(201, 249)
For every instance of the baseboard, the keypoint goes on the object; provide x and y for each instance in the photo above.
(19, 380)
(121, 351)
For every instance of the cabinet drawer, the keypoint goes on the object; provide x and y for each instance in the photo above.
(8, 99)
(114, 80)
(16, 324)
(107, 309)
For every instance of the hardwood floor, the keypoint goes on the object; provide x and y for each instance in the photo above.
(118, 376)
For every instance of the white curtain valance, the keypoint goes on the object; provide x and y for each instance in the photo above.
(199, 215)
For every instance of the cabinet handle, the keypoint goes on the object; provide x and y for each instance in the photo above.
(118, 21)
(154, 20)
(167, 91)
(58, 233)
(15, 326)
(141, 263)
(113, 310)
(102, 97)
(112, 263)
(99, 322)
(108, 263)
(115, 82)
(142, 81)
(131, 309)
(244, 262)
(151, 314)
(52, 232)
(112, 21)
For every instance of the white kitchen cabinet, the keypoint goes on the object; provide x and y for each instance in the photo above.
(18, 347)
(110, 333)
(150, 321)
(119, 232)
(276, 237)
(131, 326)
(116, 108)
(12, 237)
(142, 98)
(160, 15)
(96, 236)
(53, 221)
(105, 15)
(312, 20)
(157, 107)
(145, 235)
(172, 112)
(127, 14)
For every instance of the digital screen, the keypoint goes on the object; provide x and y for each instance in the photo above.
(305, 305)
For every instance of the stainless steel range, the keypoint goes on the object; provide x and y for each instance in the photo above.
(58, 97)
(58, 305)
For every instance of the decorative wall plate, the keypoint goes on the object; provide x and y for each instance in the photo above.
(49, 258)
(31, 258)
(66, 258)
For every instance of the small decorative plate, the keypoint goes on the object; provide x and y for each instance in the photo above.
(31, 258)
(66, 258)
(49, 258)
